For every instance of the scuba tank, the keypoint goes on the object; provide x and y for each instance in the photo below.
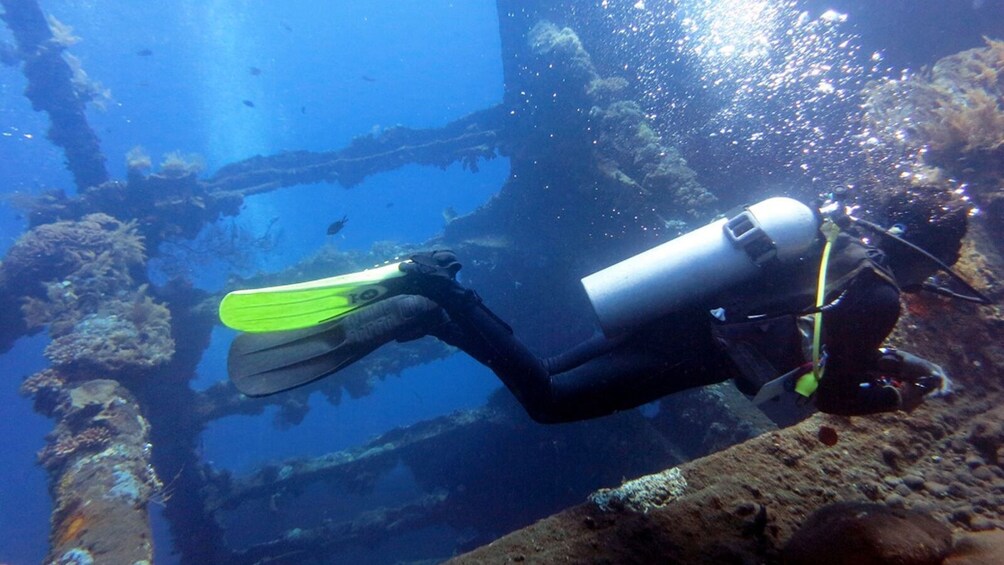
(699, 264)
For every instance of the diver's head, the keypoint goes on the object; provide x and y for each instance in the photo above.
(930, 218)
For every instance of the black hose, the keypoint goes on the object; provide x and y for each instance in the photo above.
(978, 297)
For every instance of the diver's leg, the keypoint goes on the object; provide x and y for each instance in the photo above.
(474, 328)
(482, 335)
(854, 330)
(595, 378)
(622, 379)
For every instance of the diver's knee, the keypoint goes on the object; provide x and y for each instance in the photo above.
(545, 411)
(540, 414)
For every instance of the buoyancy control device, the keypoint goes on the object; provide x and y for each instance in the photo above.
(699, 264)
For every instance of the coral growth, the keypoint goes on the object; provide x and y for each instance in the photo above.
(97, 315)
(76, 556)
(563, 44)
(177, 165)
(947, 123)
(137, 160)
(86, 88)
(62, 34)
(630, 152)
(42, 381)
(46, 387)
(65, 446)
(638, 179)
(970, 104)
(98, 245)
(956, 107)
(129, 333)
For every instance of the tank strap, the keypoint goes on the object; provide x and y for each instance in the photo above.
(744, 231)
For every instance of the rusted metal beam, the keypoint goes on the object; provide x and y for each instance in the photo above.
(52, 89)
(372, 527)
(100, 476)
(468, 140)
(343, 466)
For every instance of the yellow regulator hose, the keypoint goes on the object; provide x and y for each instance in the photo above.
(808, 383)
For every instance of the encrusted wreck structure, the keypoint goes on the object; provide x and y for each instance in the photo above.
(123, 352)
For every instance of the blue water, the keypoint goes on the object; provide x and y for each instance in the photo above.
(317, 74)
(328, 72)
(24, 500)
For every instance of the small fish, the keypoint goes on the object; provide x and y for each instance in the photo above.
(336, 227)
(255, 71)
(248, 103)
(286, 26)
(144, 52)
(368, 78)
(303, 109)
(390, 205)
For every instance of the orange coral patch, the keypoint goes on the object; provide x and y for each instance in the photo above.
(918, 307)
(72, 526)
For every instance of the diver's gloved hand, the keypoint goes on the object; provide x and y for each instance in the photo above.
(913, 377)
(440, 263)
(433, 274)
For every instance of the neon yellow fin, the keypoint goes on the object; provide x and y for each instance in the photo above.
(306, 304)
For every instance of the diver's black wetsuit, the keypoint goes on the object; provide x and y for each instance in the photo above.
(602, 376)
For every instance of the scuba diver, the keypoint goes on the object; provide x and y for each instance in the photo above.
(779, 296)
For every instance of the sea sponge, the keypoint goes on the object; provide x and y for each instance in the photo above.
(642, 494)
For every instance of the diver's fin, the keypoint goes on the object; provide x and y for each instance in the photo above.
(263, 364)
(306, 304)
(785, 384)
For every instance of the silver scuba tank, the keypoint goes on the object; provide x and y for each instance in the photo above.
(700, 263)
